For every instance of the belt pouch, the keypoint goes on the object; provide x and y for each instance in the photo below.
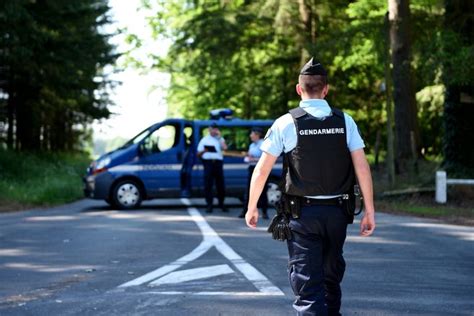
(293, 205)
(349, 205)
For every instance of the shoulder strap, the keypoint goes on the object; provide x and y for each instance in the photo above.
(340, 114)
(297, 112)
(337, 112)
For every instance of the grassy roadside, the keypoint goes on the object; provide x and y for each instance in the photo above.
(28, 180)
(458, 210)
(453, 214)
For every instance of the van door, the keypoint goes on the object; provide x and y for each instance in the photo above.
(160, 161)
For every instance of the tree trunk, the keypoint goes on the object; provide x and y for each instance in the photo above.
(11, 121)
(459, 99)
(390, 159)
(406, 121)
(308, 19)
(27, 120)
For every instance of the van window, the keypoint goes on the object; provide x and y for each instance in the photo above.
(188, 135)
(237, 139)
(162, 139)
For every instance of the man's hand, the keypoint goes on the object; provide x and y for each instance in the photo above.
(367, 224)
(251, 218)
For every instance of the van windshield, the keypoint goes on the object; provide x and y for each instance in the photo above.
(136, 139)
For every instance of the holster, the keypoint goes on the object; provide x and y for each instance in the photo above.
(287, 207)
(349, 203)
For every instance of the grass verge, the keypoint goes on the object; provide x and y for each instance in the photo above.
(28, 180)
(453, 214)
(418, 202)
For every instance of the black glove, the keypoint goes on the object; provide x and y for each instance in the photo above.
(280, 228)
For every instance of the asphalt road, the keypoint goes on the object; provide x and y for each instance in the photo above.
(171, 259)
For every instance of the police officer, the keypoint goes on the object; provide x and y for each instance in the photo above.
(253, 154)
(210, 149)
(323, 152)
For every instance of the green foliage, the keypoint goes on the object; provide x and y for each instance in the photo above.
(430, 113)
(41, 179)
(246, 55)
(53, 82)
(217, 58)
(459, 78)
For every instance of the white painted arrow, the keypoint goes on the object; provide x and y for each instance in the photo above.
(211, 239)
(193, 274)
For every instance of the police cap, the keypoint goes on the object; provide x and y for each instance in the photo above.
(313, 67)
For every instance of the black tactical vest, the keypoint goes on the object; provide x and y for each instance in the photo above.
(321, 163)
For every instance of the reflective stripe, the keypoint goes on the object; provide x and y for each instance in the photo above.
(146, 167)
(177, 167)
(236, 166)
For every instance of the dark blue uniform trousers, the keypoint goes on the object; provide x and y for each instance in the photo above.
(316, 265)
(213, 171)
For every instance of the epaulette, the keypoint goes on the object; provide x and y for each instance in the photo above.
(297, 112)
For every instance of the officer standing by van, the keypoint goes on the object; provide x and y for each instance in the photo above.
(253, 155)
(323, 153)
(210, 149)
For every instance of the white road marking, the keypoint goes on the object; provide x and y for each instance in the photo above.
(193, 274)
(196, 253)
(210, 239)
(209, 293)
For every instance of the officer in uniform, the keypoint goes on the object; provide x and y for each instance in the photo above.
(323, 154)
(253, 155)
(210, 150)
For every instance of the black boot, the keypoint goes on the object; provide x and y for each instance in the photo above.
(264, 214)
(209, 209)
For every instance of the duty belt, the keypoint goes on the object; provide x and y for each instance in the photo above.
(331, 201)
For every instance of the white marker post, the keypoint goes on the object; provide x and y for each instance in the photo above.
(441, 194)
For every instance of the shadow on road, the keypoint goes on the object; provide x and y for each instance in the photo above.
(158, 205)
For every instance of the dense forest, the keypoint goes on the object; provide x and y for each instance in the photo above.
(52, 79)
(403, 69)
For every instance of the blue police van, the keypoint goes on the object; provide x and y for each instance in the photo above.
(162, 162)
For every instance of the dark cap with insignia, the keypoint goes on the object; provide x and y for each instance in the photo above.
(313, 68)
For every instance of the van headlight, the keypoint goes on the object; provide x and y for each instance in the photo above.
(102, 164)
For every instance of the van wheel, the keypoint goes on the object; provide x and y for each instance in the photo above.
(126, 195)
(273, 193)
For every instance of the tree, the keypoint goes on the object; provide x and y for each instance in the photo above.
(406, 124)
(246, 55)
(458, 75)
(53, 79)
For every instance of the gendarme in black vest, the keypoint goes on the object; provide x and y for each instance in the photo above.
(321, 163)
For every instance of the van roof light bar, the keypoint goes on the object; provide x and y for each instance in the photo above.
(217, 114)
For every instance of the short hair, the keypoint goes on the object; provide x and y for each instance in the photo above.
(312, 84)
(257, 130)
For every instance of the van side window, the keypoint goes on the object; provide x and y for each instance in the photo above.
(161, 139)
(236, 137)
(188, 135)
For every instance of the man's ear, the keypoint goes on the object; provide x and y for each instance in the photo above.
(325, 91)
(298, 89)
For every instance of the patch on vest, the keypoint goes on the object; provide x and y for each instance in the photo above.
(321, 131)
